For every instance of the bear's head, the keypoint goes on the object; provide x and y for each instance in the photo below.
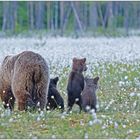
(79, 65)
(92, 82)
(53, 82)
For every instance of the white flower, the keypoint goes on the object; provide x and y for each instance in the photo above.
(86, 136)
(129, 131)
(48, 107)
(38, 104)
(115, 125)
(90, 123)
(97, 106)
(52, 97)
(77, 99)
(126, 77)
(3, 103)
(11, 120)
(53, 137)
(62, 117)
(38, 118)
(124, 126)
(87, 107)
(132, 94)
(104, 126)
(3, 91)
(134, 104)
(97, 121)
(59, 107)
(81, 122)
(138, 138)
(121, 83)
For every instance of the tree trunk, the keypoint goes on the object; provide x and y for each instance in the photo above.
(5, 15)
(79, 24)
(93, 15)
(126, 18)
(61, 16)
(31, 14)
(110, 14)
(13, 16)
(39, 14)
(66, 18)
(9, 15)
(56, 15)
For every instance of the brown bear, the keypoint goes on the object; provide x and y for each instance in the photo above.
(76, 83)
(24, 77)
(89, 94)
(6, 71)
(54, 99)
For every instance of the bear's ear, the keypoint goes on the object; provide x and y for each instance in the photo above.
(56, 80)
(74, 59)
(96, 79)
(84, 60)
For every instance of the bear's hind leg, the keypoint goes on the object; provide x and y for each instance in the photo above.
(42, 95)
(70, 105)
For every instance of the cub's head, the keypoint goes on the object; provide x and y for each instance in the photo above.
(92, 82)
(53, 82)
(79, 64)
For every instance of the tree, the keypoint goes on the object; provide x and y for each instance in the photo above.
(31, 14)
(93, 15)
(39, 14)
(9, 15)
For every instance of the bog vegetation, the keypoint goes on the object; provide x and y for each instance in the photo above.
(118, 112)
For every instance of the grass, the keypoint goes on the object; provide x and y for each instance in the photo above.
(118, 114)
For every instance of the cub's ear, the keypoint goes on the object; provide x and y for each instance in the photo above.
(74, 59)
(56, 79)
(96, 79)
(84, 60)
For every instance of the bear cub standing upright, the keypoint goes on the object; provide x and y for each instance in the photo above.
(89, 94)
(76, 83)
(54, 98)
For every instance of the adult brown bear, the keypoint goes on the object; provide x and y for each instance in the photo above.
(24, 78)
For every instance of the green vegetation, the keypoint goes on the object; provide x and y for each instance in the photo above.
(82, 18)
(118, 114)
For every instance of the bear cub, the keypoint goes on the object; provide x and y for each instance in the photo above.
(54, 98)
(89, 94)
(76, 83)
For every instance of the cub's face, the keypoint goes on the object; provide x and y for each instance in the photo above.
(53, 82)
(79, 64)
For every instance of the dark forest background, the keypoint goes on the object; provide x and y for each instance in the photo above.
(70, 17)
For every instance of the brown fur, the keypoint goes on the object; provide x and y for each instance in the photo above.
(27, 77)
(76, 82)
(89, 93)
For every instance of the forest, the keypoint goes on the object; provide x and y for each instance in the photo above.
(105, 35)
(70, 17)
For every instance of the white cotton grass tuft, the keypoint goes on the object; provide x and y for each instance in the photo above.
(77, 99)
(132, 94)
(86, 136)
(52, 97)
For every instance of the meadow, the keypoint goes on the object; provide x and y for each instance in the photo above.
(115, 60)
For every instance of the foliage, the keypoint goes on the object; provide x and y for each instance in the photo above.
(118, 95)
